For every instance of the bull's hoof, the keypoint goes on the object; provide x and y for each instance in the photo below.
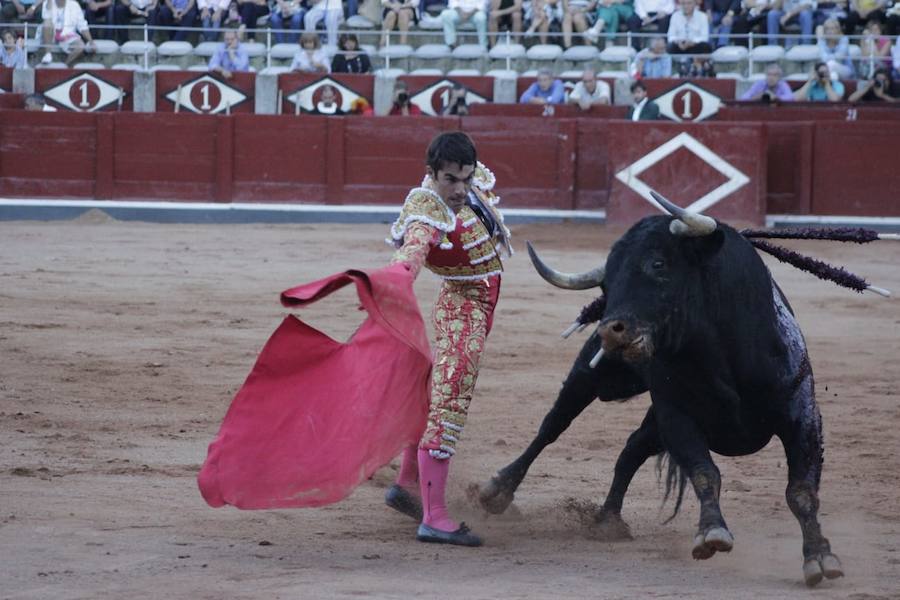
(610, 526)
(494, 497)
(824, 565)
(717, 539)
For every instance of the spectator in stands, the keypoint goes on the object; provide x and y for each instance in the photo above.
(644, 109)
(652, 62)
(24, 10)
(541, 14)
(575, 16)
(178, 13)
(461, 11)
(12, 52)
(880, 88)
(589, 91)
(861, 11)
(820, 87)
(456, 101)
(64, 24)
(399, 14)
(722, 14)
(231, 57)
(127, 10)
(350, 59)
(327, 104)
(688, 30)
(287, 15)
(609, 13)
(99, 12)
(830, 9)
(311, 58)
(546, 90)
(650, 13)
(895, 58)
(875, 50)
(772, 88)
(834, 49)
(752, 17)
(211, 14)
(504, 15)
(332, 11)
(784, 12)
(251, 11)
(402, 105)
(37, 103)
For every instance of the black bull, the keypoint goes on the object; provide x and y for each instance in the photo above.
(695, 318)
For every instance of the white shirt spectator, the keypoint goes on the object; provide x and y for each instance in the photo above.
(68, 21)
(644, 7)
(895, 53)
(693, 29)
(304, 62)
(212, 5)
(466, 5)
(580, 91)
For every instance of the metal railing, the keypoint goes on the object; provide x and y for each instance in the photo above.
(148, 33)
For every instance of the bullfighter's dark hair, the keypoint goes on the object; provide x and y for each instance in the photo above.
(451, 147)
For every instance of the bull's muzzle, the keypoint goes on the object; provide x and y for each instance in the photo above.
(624, 337)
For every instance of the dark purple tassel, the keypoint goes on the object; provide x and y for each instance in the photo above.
(816, 267)
(592, 312)
(837, 234)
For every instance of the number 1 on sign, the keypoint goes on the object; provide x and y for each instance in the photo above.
(84, 95)
(204, 91)
(686, 113)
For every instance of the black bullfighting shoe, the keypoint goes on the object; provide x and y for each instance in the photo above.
(402, 501)
(461, 537)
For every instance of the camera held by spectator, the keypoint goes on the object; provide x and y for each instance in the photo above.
(880, 88)
(456, 101)
(402, 101)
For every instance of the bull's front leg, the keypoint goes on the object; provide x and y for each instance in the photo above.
(609, 380)
(687, 446)
(641, 445)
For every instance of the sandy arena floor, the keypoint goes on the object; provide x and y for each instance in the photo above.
(122, 345)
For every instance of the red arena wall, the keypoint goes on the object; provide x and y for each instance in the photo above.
(828, 166)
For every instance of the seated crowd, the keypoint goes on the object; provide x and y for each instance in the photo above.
(685, 33)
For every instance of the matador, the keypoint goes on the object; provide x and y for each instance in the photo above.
(451, 226)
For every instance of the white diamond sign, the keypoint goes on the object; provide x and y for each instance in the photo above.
(432, 98)
(736, 179)
(206, 95)
(688, 102)
(84, 93)
(307, 96)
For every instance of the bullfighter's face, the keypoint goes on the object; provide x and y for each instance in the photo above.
(452, 182)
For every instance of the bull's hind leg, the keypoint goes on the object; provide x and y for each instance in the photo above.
(610, 380)
(643, 443)
(803, 447)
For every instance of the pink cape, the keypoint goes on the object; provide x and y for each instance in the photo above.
(315, 417)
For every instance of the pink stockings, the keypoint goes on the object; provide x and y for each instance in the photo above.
(432, 475)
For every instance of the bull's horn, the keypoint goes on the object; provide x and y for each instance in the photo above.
(687, 223)
(566, 281)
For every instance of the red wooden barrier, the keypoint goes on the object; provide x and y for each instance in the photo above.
(10, 101)
(205, 93)
(719, 169)
(86, 91)
(827, 167)
(47, 154)
(855, 169)
(6, 79)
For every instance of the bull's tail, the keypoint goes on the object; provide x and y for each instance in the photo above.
(675, 478)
